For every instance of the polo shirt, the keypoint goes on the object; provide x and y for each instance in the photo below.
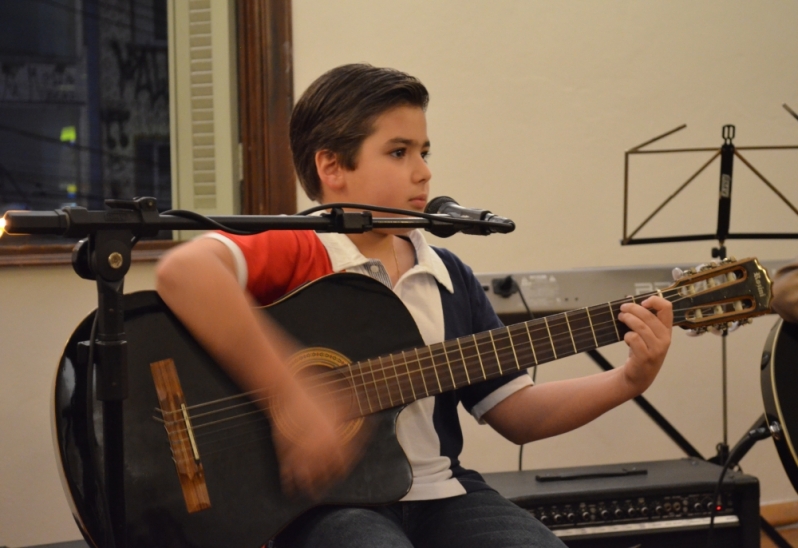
(444, 299)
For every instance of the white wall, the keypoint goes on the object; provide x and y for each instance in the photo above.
(533, 105)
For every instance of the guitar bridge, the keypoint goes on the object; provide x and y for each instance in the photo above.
(181, 436)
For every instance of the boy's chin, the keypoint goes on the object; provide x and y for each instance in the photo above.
(394, 231)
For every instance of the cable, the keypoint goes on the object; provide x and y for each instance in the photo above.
(207, 220)
(406, 212)
(737, 453)
(506, 287)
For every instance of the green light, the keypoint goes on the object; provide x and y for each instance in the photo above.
(69, 134)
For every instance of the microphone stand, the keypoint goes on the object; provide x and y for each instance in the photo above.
(104, 255)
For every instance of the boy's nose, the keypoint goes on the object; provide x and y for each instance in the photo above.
(422, 172)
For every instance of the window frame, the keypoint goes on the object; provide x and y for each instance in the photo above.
(265, 95)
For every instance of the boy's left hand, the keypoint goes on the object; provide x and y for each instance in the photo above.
(650, 322)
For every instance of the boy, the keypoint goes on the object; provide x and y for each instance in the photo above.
(359, 135)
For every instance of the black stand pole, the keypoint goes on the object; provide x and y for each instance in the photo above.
(759, 430)
(105, 257)
(651, 411)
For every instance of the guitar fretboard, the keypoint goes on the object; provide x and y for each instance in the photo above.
(396, 379)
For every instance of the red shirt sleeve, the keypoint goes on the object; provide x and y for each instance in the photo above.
(279, 261)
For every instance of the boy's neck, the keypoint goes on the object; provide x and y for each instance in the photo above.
(373, 245)
(396, 254)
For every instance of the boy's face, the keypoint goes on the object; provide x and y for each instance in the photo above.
(391, 168)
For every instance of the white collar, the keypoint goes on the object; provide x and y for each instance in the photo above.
(344, 255)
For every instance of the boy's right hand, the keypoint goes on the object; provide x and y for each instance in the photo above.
(224, 321)
(312, 452)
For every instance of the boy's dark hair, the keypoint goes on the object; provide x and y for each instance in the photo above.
(337, 112)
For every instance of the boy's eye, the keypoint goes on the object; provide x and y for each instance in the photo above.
(399, 153)
(425, 155)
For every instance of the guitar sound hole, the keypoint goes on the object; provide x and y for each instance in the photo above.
(333, 386)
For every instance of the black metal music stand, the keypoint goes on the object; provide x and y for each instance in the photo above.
(727, 153)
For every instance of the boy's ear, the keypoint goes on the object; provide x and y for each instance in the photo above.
(330, 171)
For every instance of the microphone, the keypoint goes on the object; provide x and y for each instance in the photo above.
(483, 221)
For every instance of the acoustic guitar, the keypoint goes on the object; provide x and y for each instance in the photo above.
(779, 383)
(200, 469)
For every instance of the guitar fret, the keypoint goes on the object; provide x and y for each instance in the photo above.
(354, 385)
(435, 369)
(409, 378)
(579, 323)
(498, 359)
(570, 332)
(385, 380)
(603, 317)
(365, 387)
(476, 347)
(449, 365)
(614, 324)
(554, 350)
(398, 381)
(593, 331)
(374, 380)
(421, 372)
(512, 347)
(523, 353)
(531, 344)
(465, 364)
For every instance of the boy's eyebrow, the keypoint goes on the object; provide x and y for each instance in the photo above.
(404, 141)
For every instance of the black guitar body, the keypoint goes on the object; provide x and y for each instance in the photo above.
(353, 316)
(349, 313)
(779, 391)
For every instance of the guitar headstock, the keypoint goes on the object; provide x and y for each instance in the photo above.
(720, 294)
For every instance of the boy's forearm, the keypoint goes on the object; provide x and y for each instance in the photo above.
(204, 294)
(553, 408)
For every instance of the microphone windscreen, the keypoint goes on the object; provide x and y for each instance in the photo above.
(434, 205)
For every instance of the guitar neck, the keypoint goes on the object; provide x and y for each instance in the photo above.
(401, 378)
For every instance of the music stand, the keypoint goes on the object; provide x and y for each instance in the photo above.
(727, 153)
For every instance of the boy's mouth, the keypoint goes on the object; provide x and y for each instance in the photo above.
(419, 202)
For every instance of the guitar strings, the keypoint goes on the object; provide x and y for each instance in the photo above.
(503, 337)
(679, 291)
(535, 330)
(399, 375)
(250, 425)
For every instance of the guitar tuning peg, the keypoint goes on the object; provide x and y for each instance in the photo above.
(725, 327)
(696, 332)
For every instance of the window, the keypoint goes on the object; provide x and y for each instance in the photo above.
(81, 82)
(85, 97)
